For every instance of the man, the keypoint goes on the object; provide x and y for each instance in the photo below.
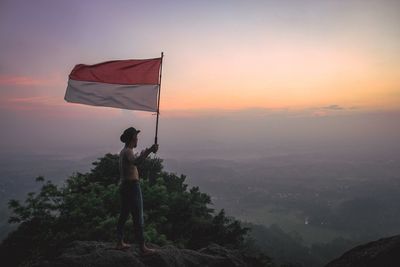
(130, 191)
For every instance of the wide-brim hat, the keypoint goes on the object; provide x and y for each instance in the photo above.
(128, 134)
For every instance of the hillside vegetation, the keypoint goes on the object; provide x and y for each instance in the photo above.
(86, 207)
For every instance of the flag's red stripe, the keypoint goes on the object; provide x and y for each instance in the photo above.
(131, 71)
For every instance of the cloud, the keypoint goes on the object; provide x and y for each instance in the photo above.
(52, 106)
(32, 103)
(333, 107)
(19, 80)
(254, 112)
(36, 100)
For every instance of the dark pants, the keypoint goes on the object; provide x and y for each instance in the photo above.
(131, 203)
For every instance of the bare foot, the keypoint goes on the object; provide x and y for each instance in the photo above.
(122, 245)
(147, 251)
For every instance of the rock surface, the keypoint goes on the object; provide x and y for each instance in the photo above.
(384, 252)
(101, 254)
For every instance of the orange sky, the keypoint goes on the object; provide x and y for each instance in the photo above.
(223, 56)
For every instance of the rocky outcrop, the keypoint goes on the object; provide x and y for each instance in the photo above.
(101, 254)
(384, 252)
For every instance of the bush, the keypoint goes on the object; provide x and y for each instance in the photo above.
(86, 207)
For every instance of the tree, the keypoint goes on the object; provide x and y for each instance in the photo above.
(86, 207)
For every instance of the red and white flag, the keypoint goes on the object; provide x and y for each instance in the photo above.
(127, 84)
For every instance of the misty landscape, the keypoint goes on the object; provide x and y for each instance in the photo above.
(318, 193)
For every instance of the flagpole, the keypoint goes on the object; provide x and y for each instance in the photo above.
(159, 93)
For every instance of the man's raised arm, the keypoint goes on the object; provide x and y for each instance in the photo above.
(145, 153)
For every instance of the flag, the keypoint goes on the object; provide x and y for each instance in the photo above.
(127, 84)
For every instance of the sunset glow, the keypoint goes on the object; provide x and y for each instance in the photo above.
(229, 56)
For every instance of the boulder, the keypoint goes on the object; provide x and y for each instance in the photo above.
(103, 254)
(384, 252)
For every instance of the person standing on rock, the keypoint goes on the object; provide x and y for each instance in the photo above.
(130, 191)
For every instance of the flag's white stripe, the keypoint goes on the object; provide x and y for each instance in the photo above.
(136, 97)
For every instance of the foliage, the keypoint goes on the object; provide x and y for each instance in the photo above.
(86, 207)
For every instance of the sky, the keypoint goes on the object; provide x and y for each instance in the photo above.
(228, 66)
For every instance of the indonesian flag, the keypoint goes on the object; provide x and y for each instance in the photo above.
(127, 84)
